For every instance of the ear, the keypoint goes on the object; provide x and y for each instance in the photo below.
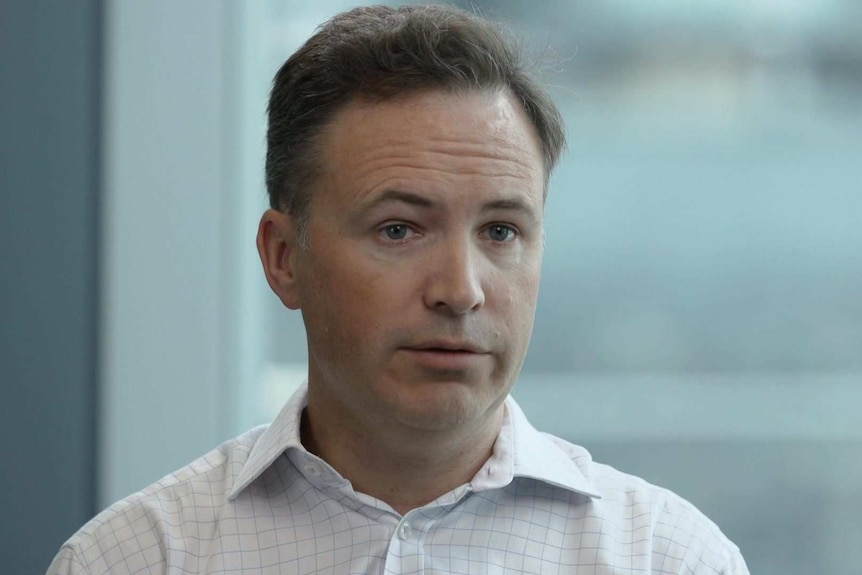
(276, 245)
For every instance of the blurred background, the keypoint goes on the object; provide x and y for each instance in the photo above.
(700, 322)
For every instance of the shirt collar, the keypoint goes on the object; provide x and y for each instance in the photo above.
(281, 435)
(538, 456)
(520, 451)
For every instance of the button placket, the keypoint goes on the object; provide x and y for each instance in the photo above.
(404, 530)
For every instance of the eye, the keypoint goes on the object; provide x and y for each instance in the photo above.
(501, 233)
(396, 232)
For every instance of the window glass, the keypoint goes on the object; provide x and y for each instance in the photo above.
(700, 321)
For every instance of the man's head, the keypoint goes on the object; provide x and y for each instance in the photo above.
(377, 53)
(409, 183)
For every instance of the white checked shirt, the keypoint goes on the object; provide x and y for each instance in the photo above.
(261, 503)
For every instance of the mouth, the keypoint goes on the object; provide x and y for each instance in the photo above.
(447, 355)
(448, 347)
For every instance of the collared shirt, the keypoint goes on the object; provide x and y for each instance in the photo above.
(261, 503)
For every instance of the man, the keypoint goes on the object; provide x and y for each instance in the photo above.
(407, 166)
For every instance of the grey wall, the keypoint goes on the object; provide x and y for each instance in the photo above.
(49, 187)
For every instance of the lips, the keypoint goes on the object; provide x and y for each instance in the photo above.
(447, 355)
(448, 346)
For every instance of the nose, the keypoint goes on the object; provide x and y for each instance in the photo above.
(454, 282)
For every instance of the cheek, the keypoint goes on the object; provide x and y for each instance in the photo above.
(517, 307)
(522, 281)
(523, 309)
(527, 295)
(350, 301)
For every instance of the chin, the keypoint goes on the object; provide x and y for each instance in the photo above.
(447, 406)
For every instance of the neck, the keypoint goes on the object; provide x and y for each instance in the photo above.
(406, 468)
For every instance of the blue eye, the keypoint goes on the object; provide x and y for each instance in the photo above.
(501, 233)
(395, 231)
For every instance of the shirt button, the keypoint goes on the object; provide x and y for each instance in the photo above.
(404, 530)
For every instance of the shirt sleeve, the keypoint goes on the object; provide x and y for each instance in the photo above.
(737, 564)
(686, 542)
(66, 562)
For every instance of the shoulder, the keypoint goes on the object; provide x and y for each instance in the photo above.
(681, 539)
(138, 530)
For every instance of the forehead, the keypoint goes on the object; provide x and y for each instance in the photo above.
(438, 135)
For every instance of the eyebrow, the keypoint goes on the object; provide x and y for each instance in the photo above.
(514, 204)
(390, 196)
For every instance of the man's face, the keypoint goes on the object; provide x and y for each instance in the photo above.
(418, 285)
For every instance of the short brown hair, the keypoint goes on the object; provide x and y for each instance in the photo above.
(378, 53)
